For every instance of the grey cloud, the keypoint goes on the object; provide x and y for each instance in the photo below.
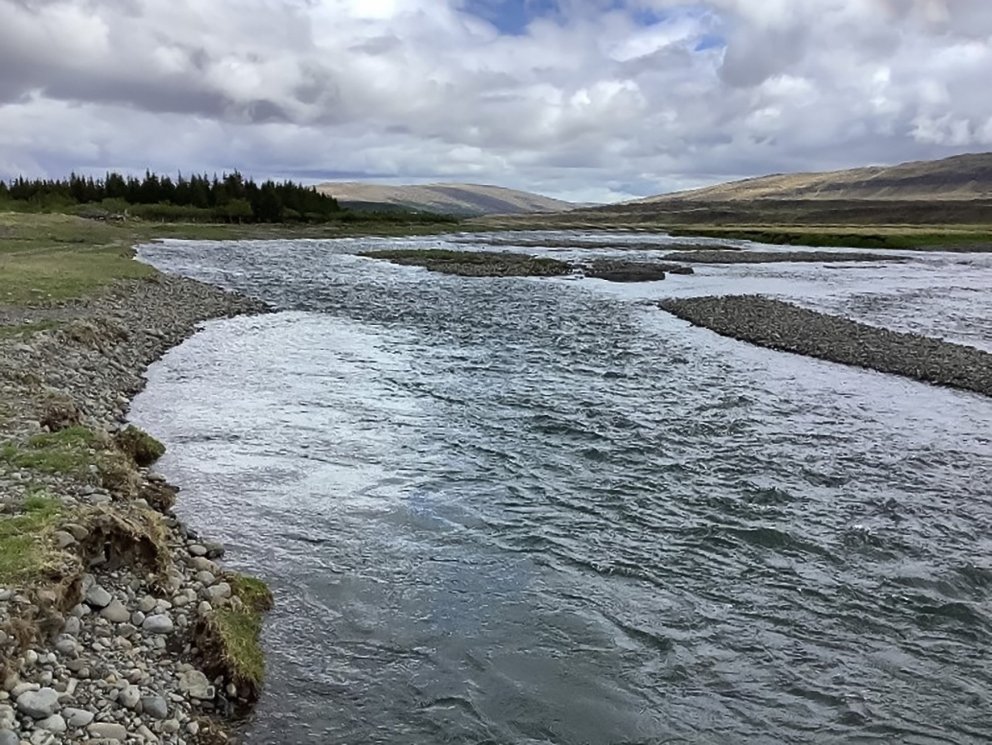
(348, 87)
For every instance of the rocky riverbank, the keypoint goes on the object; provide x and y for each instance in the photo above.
(117, 625)
(783, 326)
(613, 270)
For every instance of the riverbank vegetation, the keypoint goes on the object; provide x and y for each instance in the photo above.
(227, 199)
(47, 258)
(196, 198)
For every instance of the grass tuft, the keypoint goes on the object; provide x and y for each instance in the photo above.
(239, 632)
(253, 592)
(25, 551)
(67, 451)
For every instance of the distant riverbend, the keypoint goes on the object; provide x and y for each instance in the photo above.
(544, 510)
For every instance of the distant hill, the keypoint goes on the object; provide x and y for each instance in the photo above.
(962, 177)
(450, 199)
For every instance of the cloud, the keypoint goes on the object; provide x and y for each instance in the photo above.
(575, 97)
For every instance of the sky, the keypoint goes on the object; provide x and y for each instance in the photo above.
(587, 100)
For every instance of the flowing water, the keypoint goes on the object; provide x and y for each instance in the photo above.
(544, 511)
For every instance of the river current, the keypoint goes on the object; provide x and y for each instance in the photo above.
(545, 511)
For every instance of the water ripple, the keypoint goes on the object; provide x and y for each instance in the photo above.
(522, 511)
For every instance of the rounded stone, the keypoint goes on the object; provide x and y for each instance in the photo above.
(97, 597)
(158, 624)
(116, 612)
(155, 707)
(108, 731)
(77, 718)
(39, 704)
(55, 723)
(130, 697)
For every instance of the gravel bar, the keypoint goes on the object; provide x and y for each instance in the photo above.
(787, 327)
(772, 257)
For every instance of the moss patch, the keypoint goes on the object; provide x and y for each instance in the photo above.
(26, 552)
(253, 592)
(141, 446)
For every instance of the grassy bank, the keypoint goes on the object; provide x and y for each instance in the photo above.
(55, 456)
(48, 258)
(916, 225)
(890, 237)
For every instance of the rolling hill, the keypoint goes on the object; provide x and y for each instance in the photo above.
(450, 199)
(962, 177)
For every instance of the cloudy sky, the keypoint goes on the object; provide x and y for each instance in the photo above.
(591, 100)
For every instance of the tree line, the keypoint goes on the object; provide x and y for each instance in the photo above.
(229, 198)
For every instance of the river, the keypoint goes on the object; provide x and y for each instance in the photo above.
(545, 511)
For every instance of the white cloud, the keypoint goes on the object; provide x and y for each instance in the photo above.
(592, 101)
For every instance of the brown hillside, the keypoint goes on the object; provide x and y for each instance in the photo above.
(961, 177)
(454, 199)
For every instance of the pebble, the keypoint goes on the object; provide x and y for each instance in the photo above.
(97, 597)
(218, 592)
(155, 706)
(108, 730)
(160, 624)
(77, 718)
(54, 723)
(129, 698)
(116, 612)
(39, 704)
(197, 685)
(72, 626)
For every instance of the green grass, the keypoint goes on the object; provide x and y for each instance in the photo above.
(47, 259)
(253, 592)
(68, 451)
(25, 551)
(51, 258)
(239, 633)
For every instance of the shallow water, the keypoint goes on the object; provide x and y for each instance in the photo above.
(543, 511)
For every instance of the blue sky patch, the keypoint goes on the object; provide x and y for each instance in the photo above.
(512, 17)
(710, 41)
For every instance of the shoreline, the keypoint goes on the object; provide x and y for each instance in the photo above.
(116, 622)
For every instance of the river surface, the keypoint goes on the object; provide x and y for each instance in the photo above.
(544, 511)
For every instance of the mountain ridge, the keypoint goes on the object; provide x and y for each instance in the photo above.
(959, 177)
(460, 199)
